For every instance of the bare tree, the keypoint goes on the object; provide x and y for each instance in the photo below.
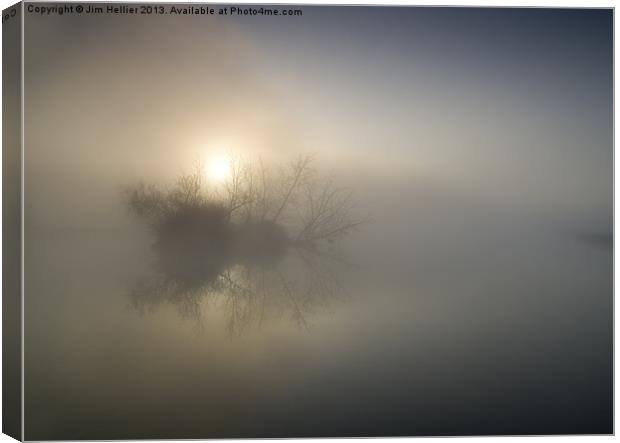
(326, 213)
(230, 242)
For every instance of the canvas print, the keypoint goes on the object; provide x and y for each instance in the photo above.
(265, 221)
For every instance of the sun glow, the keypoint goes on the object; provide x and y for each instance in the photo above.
(218, 168)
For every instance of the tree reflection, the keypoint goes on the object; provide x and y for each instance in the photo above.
(264, 243)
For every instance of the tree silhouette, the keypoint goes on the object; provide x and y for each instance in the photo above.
(238, 240)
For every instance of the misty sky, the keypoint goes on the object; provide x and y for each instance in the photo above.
(512, 104)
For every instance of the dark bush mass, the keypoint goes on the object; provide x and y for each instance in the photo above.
(249, 224)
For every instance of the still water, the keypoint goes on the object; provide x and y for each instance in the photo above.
(450, 329)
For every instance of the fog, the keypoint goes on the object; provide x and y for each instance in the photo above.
(474, 296)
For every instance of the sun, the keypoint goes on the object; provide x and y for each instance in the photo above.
(218, 168)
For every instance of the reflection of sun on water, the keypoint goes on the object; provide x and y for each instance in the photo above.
(218, 168)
